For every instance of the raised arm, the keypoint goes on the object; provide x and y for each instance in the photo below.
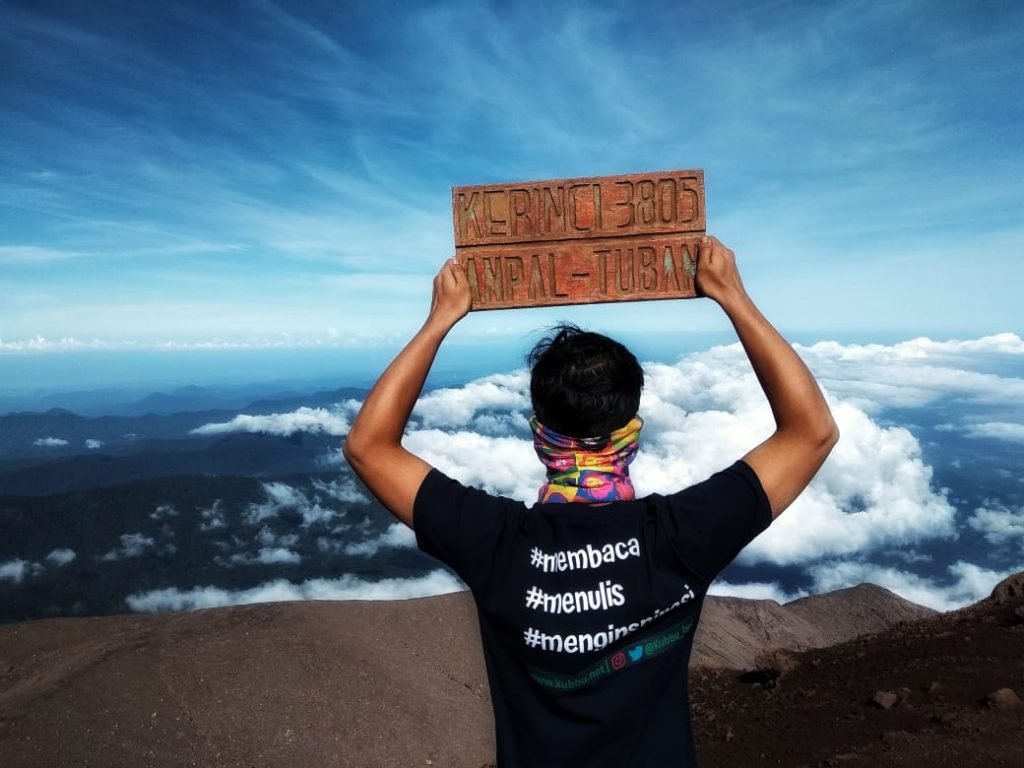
(805, 431)
(374, 443)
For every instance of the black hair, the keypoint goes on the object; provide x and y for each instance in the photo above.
(583, 384)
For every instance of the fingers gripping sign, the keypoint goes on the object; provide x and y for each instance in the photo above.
(717, 275)
(452, 297)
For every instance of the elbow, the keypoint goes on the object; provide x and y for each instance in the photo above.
(818, 432)
(351, 450)
(828, 435)
(363, 448)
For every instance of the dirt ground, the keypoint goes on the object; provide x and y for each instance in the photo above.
(403, 684)
(921, 694)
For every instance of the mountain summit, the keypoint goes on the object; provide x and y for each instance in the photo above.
(403, 684)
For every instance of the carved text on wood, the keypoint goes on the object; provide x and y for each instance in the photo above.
(580, 241)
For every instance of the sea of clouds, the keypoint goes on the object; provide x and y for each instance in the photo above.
(875, 496)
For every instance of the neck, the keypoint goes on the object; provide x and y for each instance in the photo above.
(587, 470)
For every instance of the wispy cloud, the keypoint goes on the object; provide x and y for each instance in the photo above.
(290, 144)
(304, 419)
(50, 442)
(343, 588)
(131, 545)
(17, 570)
(283, 497)
(330, 341)
(61, 556)
(999, 524)
(396, 535)
(999, 430)
(267, 556)
(213, 517)
(163, 511)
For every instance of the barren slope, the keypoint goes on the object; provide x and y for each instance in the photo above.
(733, 630)
(942, 692)
(315, 683)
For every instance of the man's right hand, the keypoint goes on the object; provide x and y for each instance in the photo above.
(451, 300)
(717, 276)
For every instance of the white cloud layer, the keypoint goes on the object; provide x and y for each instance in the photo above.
(702, 414)
(132, 545)
(281, 497)
(344, 588)
(163, 511)
(61, 556)
(212, 517)
(50, 442)
(874, 495)
(267, 556)
(268, 538)
(42, 344)
(315, 420)
(396, 535)
(501, 465)
(463, 405)
(999, 524)
(342, 489)
(999, 430)
(874, 492)
(918, 372)
(17, 570)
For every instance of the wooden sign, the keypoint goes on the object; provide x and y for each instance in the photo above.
(580, 241)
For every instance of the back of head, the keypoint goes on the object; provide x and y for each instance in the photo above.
(583, 384)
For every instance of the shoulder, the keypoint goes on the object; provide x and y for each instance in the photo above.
(446, 507)
(463, 526)
(708, 523)
(734, 483)
(438, 489)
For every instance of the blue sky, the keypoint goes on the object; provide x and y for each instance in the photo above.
(239, 174)
(211, 191)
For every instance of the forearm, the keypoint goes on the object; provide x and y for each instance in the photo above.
(387, 408)
(374, 443)
(804, 429)
(794, 396)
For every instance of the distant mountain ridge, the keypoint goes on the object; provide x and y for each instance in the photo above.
(250, 455)
(733, 631)
(191, 397)
(25, 433)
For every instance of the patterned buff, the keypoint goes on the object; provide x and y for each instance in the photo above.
(588, 470)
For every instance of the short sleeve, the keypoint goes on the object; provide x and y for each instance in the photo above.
(709, 523)
(462, 527)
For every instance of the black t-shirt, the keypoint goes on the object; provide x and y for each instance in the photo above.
(587, 612)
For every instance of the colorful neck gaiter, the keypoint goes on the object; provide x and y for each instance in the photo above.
(588, 470)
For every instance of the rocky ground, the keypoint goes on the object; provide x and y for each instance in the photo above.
(939, 692)
(403, 684)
